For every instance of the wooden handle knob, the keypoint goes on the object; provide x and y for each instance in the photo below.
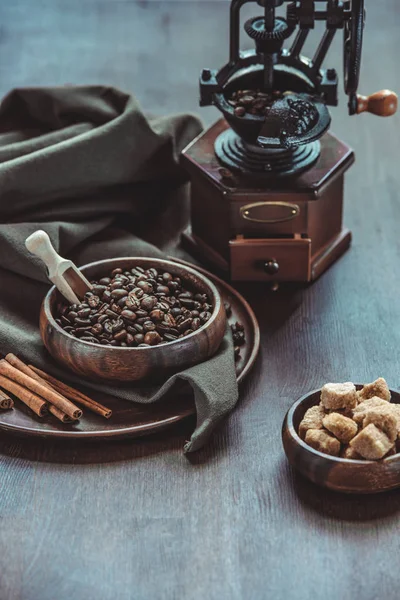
(383, 103)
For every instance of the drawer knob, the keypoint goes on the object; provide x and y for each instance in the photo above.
(271, 266)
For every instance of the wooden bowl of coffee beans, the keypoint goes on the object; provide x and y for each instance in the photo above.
(144, 317)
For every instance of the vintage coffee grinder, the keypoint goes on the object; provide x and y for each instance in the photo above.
(267, 179)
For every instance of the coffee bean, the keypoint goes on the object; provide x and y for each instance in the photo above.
(121, 302)
(129, 315)
(115, 308)
(149, 326)
(239, 326)
(170, 337)
(167, 277)
(169, 320)
(64, 320)
(196, 323)
(187, 302)
(183, 325)
(68, 328)
(205, 316)
(82, 322)
(139, 338)
(71, 315)
(107, 326)
(163, 289)
(120, 335)
(157, 315)
(129, 339)
(138, 292)
(148, 303)
(104, 342)
(132, 302)
(138, 327)
(117, 325)
(106, 297)
(162, 306)
(189, 295)
(105, 281)
(176, 312)
(118, 293)
(152, 338)
(84, 313)
(201, 298)
(145, 286)
(238, 338)
(98, 290)
(173, 286)
(116, 272)
(239, 111)
(94, 301)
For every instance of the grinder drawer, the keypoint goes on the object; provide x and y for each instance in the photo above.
(270, 259)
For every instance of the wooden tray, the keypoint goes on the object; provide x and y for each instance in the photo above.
(134, 420)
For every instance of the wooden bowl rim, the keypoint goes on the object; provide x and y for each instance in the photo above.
(215, 296)
(333, 459)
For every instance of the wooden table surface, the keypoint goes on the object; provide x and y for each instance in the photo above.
(137, 519)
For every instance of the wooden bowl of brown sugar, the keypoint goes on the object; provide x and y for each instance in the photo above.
(335, 473)
(130, 360)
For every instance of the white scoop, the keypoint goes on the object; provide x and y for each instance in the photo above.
(63, 273)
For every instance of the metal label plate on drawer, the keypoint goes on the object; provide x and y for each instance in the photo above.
(249, 256)
(269, 212)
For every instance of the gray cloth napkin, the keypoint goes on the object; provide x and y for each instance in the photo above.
(86, 165)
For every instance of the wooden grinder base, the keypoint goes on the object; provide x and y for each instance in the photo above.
(257, 230)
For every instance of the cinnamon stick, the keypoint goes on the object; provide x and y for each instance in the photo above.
(37, 404)
(59, 414)
(21, 366)
(5, 401)
(73, 394)
(50, 395)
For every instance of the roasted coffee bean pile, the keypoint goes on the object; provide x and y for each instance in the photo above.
(136, 308)
(237, 329)
(253, 102)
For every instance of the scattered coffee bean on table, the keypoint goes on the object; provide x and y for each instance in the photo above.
(253, 102)
(136, 308)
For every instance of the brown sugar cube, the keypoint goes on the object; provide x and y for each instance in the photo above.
(343, 428)
(339, 395)
(378, 388)
(311, 420)
(322, 441)
(396, 411)
(383, 419)
(350, 453)
(371, 443)
(361, 410)
(391, 452)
